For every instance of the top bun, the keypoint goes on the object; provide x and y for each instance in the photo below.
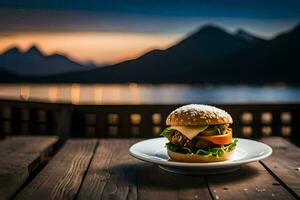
(198, 114)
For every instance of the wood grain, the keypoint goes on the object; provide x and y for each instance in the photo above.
(252, 181)
(19, 158)
(284, 163)
(114, 174)
(83, 170)
(62, 176)
(155, 183)
(111, 174)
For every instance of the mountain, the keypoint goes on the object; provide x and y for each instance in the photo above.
(34, 63)
(243, 34)
(7, 77)
(209, 55)
(169, 65)
(274, 61)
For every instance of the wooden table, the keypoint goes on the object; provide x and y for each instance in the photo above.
(103, 169)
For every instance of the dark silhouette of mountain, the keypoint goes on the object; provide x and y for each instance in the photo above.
(273, 61)
(34, 63)
(209, 55)
(6, 77)
(170, 65)
(243, 34)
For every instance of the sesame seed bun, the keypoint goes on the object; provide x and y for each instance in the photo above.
(195, 158)
(198, 114)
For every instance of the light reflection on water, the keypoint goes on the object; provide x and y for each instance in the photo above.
(52, 93)
(147, 94)
(75, 93)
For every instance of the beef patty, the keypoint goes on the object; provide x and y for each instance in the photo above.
(181, 140)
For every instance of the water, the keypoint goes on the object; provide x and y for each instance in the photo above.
(148, 94)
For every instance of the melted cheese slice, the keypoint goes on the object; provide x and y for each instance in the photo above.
(189, 131)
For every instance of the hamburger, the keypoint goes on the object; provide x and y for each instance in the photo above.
(199, 133)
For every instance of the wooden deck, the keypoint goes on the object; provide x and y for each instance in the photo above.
(103, 169)
(20, 157)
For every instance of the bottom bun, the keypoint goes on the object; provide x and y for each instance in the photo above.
(195, 158)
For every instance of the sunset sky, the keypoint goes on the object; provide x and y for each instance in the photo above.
(106, 32)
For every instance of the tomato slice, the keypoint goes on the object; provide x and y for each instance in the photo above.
(219, 139)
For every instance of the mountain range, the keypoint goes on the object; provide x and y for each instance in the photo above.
(209, 55)
(34, 63)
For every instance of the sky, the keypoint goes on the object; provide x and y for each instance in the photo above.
(106, 32)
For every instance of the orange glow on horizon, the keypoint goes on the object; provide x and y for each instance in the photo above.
(98, 47)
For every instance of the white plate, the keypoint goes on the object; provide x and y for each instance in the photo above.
(154, 151)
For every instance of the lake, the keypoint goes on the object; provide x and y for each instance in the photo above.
(148, 94)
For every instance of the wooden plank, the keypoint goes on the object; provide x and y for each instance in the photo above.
(111, 173)
(155, 183)
(62, 176)
(25, 145)
(284, 163)
(19, 158)
(252, 181)
(114, 174)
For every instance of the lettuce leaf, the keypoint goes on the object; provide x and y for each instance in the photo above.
(167, 132)
(231, 146)
(215, 130)
(202, 152)
(172, 147)
(215, 152)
